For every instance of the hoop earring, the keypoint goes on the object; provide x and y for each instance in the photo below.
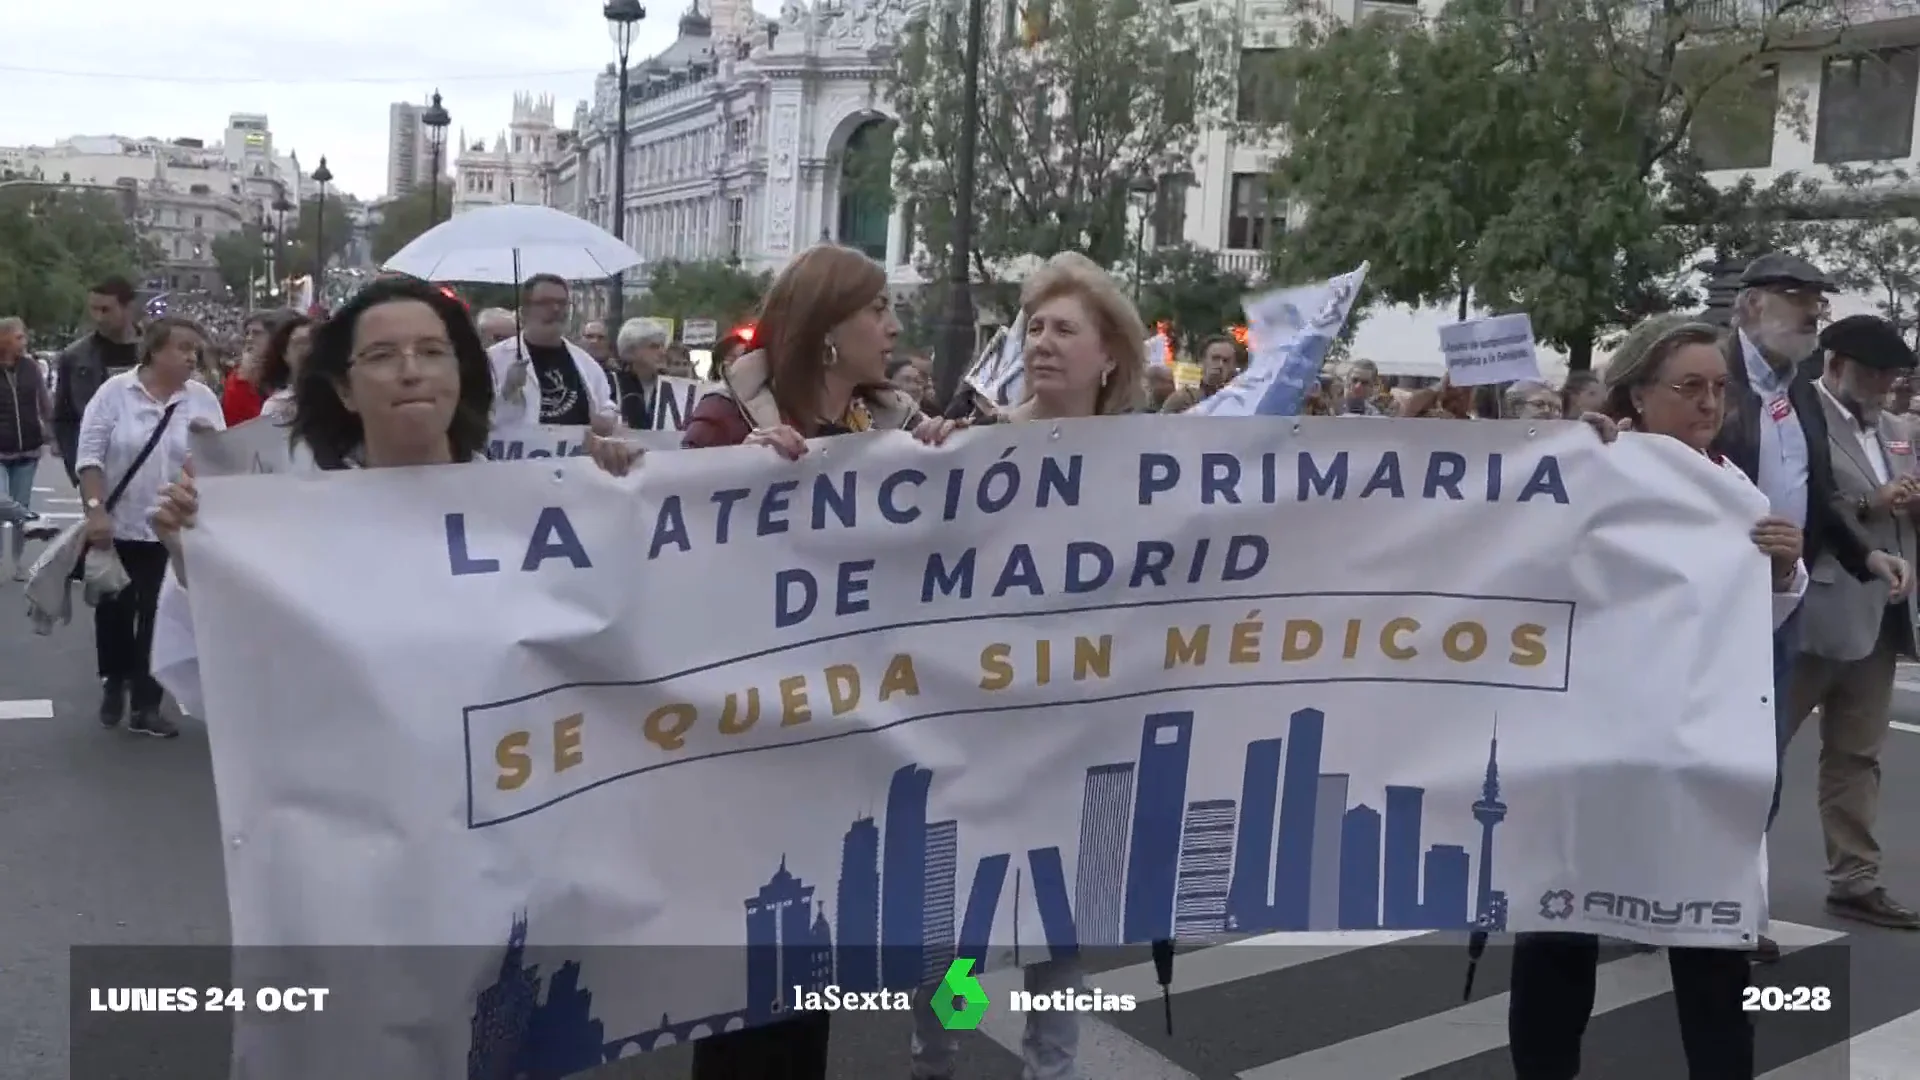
(833, 354)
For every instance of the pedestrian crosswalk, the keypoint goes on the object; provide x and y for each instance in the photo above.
(1383, 1005)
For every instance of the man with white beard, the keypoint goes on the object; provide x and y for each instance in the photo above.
(1776, 432)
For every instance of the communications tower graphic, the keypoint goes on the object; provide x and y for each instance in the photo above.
(1490, 911)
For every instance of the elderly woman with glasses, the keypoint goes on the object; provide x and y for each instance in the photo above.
(640, 351)
(1530, 401)
(1668, 378)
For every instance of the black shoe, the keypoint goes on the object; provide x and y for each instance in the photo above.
(1874, 907)
(113, 702)
(40, 530)
(150, 722)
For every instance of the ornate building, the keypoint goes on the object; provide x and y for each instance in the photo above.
(518, 168)
(737, 134)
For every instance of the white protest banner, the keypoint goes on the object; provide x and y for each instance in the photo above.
(674, 400)
(1290, 331)
(1495, 349)
(946, 700)
(261, 446)
(699, 332)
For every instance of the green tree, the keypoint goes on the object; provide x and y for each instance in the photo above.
(1086, 98)
(241, 259)
(58, 244)
(711, 289)
(302, 244)
(1873, 251)
(406, 217)
(1540, 160)
(1186, 287)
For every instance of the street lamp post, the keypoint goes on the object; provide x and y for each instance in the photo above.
(957, 353)
(321, 176)
(436, 121)
(269, 237)
(1143, 189)
(280, 208)
(622, 17)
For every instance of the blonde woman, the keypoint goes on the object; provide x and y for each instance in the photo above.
(1083, 359)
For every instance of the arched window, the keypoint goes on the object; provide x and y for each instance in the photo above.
(866, 188)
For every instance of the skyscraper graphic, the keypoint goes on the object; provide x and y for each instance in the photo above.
(1360, 869)
(1489, 811)
(1049, 879)
(1299, 794)
(1101, 869)
(1329, 807)
(1446, 893)
(943, 853)
(1151, 865)
(1166, 742)
(856, 908)
(1400, 864)
(903, 874)
(1249, 897)
(779, 941)
(1206, 865)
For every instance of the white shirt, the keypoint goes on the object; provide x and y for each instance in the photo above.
(279, 407)
(1785, 600)
(1868, 437)
(1783, 442)
(118, 422)
(508, 413)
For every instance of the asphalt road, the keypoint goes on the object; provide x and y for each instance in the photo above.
(106, 838)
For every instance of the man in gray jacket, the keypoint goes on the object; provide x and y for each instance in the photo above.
(112, 347)
(1853, 631)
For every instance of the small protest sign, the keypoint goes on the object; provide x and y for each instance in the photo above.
(1496, 349)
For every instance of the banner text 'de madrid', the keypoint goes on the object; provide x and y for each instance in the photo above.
(533, 751)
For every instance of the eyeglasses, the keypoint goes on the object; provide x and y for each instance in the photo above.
(1699, 389)
(388, 359)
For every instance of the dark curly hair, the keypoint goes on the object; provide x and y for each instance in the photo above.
(275, 375)
(333, 432)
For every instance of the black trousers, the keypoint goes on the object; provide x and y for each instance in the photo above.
(1552, 999)
(123, 623)
(789, 1050)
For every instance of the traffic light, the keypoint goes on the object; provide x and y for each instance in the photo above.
(745, 333)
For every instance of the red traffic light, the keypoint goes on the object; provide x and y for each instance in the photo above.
(745, 334)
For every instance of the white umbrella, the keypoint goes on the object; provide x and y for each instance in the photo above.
(503, 245)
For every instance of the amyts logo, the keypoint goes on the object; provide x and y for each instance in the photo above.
(1558, 904)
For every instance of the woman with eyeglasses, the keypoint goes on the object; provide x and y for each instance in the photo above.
(133, 438)
(1668, 378)
(396, 378)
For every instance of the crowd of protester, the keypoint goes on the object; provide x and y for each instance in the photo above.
(1817, 419)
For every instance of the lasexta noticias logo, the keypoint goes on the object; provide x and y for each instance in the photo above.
(960, 1001)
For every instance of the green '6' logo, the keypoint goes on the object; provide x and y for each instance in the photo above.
(959, 1001)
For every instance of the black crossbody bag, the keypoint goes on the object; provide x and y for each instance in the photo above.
(139, 462)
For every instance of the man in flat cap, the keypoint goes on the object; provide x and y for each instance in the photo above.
(1853, 632)
(1776, 432)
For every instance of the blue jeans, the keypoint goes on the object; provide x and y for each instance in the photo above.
(1786, 649)
(20, 476)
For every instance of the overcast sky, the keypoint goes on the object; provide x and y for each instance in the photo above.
(323, 72)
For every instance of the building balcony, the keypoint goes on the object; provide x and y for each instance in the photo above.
(1253, 264)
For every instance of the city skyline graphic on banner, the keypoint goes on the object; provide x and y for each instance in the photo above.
(1289, 854)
